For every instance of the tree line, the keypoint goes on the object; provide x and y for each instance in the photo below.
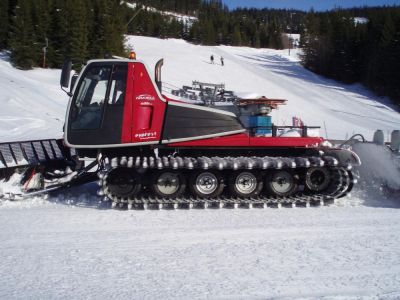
(83, 29)
(338, 45)
(45, 32)
(216, 24)
(186, 7)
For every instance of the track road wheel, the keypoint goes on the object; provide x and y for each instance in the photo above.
(206, 184)
(281, 183)
(245, 184)
(168, 184)
(317, 179)
(123, 182)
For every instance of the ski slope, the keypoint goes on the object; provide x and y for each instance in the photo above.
(63, 247)
(33, 105)
(342, 109)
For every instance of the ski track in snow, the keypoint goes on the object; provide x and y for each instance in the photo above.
(64, 247)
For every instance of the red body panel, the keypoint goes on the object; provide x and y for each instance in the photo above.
(143, 110)
(243, 140)
(144, 116)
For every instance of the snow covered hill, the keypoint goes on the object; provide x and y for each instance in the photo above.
(345, 109)
(63, 247)
(33, 106)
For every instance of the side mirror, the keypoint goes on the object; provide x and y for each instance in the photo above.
(66, 74)
(73, 81)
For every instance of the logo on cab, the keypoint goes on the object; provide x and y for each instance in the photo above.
(145, 97)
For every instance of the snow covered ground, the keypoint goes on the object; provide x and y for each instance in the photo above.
(32, 103)
(61, 251)
(64, 247)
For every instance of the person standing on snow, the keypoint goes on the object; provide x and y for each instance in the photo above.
(212, 59)
(222, 61)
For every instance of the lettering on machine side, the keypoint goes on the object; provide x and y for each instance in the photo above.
(146, 135)
(146, 97)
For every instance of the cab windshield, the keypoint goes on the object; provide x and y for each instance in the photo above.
(87, 110)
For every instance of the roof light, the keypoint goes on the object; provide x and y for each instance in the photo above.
(132, 55)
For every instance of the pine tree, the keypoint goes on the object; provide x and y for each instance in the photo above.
(257, 41)
(157, 24)
(194, 33)
(101, 37)
(237, 36)
(77, 30)
(209, 35)
(274, 35)
(22, 40)
(4, 5)
(57, 50)
(150, 26)
(41, 24)
(388, 66)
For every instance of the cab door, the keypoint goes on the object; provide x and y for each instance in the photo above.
(148, 107)
(96, 110)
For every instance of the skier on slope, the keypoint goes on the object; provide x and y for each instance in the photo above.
(222, 61)
(212, 59)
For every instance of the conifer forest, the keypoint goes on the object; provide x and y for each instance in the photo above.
(360, 45)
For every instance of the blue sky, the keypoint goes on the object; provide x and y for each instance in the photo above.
(307, 4)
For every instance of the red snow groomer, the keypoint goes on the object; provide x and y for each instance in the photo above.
(148, 149)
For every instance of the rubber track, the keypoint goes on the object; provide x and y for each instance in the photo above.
(223, 202)
(342, 180)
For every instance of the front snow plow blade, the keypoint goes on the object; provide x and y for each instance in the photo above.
(30, 153)
(30, 168)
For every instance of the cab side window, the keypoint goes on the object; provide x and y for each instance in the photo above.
(118, 85)
(87, 110)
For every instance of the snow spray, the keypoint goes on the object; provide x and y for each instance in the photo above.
(379, 170)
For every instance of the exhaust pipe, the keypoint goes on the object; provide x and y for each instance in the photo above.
(159, 64)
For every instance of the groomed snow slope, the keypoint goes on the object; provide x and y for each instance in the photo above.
(57, 251)
(65, 248)
(345, 109)
(32, 104)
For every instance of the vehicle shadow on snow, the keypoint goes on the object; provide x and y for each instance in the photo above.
(364, 194)
(81, 196)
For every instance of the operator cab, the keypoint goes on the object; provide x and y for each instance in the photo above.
(115, 103)
(97, 105)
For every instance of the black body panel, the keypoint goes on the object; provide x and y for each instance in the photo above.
(239, 151)
(109, 133)
(190, 122)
